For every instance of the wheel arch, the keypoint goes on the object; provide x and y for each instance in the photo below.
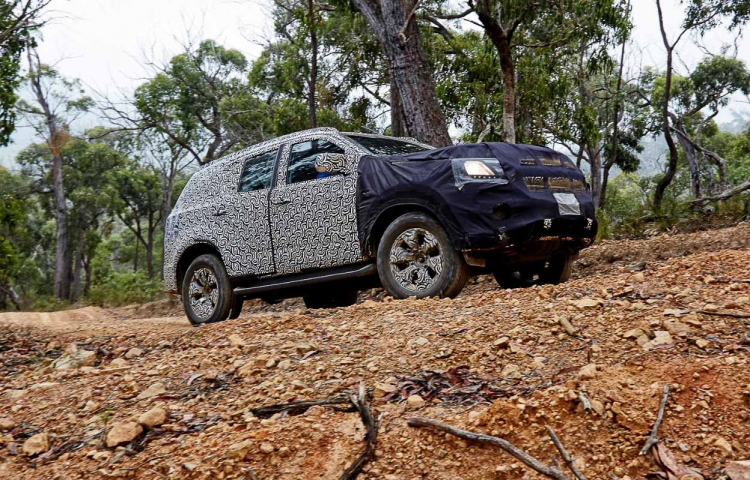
(191, 253)
(392, 212)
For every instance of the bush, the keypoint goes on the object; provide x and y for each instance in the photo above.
(124, 288)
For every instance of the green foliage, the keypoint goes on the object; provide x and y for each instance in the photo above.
(123, 288)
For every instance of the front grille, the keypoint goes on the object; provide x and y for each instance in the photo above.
(540, 183)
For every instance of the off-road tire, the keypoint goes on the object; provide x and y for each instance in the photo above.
(448, 282)
(557, 270)
(224, 297)
(322, 299)
(509, 279)
(236, 307)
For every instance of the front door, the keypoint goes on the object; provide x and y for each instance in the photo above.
(313, 216)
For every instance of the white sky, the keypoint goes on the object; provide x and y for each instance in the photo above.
(103, 42)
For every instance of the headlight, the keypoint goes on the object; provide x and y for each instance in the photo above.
(478, 169)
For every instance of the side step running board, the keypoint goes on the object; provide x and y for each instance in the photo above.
(305, 279)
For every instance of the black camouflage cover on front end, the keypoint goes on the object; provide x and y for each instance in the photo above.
(531, 179)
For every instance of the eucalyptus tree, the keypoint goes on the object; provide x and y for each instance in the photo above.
(56, 103)
(519, 27)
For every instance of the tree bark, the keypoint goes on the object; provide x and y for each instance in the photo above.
(398, 122)
(150, 245)
(75, 291)
(313, 82)
(690, 154)
(501, 37)
(595, 162)
(393, 23)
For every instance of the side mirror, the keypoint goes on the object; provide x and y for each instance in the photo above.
(330, 163)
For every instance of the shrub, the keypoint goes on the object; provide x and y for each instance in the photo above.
(123, 288)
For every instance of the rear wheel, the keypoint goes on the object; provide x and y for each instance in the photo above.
(206, 292)
(331, 300)
(236, 307)
(513, 279)
(416, 259)
(557, 270)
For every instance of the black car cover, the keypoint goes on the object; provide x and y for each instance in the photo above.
(533, 190)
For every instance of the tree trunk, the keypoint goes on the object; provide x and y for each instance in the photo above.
(150, 245)
(690, 154)
(605, 182)
(313, 82)
(661, 187)
(62, 266)
(87, 268)
(399, 36)
(167, 186)
(75, 291)
(398, 122)
(595, 161)
(502, 41)
(135, 255)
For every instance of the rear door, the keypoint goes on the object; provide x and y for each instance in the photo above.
(314, 217)
(243, 217)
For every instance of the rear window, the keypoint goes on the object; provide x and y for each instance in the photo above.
(381, 146)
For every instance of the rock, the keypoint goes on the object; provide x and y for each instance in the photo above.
(305, 347)
(639, 277)
(43, 386)
(246, 370)
(702, 343)
(119, 362)
(661, 337)
(153, 418)
(271, 363)
(738, 470)
(239, 450)
(37, 444)
(15, 395)
(722, 443)
(189, 466)
(597, 406)
(586, 303)
(236, 341)
(133, 353)
(123, 432)
(421, 341)
(634, 333)
(75, 358)
(383, 389)
(100, 456)
(501, 342)
(588, 372)
(6, 423)
(415, 401)
(675, 327)
(154, 390)
(510, 370)
(285, 364)
(266, 447)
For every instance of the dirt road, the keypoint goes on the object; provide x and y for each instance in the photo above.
(671, 310)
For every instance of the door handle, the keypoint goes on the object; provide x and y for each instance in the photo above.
(281, 201)
(219, 213)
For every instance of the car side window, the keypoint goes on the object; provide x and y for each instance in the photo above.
(302, 159)
(256, 174)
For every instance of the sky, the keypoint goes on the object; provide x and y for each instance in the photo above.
(105, 42)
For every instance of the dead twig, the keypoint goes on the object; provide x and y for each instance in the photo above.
(523, 457)
(585, 401)
(724, 314)
(371, 435)
(570, 461)
(297, 407)
(653, 439)
(144, 463)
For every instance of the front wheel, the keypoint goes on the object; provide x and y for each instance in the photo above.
(416, 259)
(557, 270)
(206, 292)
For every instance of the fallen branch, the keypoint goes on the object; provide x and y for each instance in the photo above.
(585, 401)
(371, 435)
(297, 407)
(523, 457)
(570, 461)
(653, 439)
(724, 314)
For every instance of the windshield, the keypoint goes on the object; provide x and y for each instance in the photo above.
(383, 146)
